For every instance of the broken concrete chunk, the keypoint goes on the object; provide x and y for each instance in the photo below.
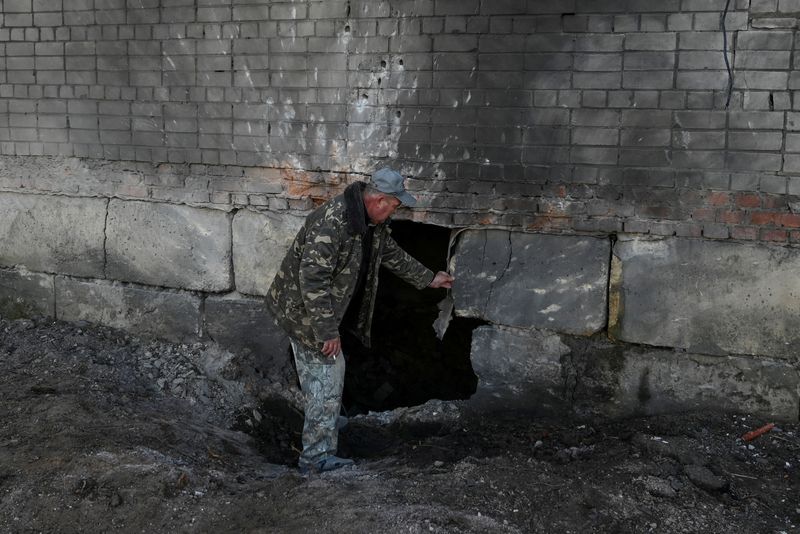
(532, 280)
(703, 478)
(658, 487)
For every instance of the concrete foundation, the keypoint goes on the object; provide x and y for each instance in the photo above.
(567, 317)
(167, 245)
(543, 371)
(707, 297)
(167, 314)
(531, 280)
(241, 323)
(24, 294)
(53, 234)
(260, 241)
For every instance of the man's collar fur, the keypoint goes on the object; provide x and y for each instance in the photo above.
(354, 207)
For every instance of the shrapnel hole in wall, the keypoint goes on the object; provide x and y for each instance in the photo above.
(407, 364)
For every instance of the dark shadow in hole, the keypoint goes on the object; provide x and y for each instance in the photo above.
(407, 365)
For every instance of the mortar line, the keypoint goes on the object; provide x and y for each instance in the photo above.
(55, 299)
(613, 241)
(231, 265)
(105, 239)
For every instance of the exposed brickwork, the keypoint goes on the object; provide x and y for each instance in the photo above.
(554, 116)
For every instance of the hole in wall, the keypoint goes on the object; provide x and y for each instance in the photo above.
(407, 364)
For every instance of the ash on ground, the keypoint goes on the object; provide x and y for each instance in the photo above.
(104, 432)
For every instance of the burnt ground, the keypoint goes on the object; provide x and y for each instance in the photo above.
(104, 432)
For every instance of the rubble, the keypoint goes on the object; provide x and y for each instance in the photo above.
(103, 431)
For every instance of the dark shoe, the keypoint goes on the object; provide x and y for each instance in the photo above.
(330, 463)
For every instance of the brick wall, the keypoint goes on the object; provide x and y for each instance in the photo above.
(568, 116)
(157, 156)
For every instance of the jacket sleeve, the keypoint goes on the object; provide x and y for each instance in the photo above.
(404, 265)
(317, 262)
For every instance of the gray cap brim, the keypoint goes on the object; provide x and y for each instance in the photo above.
(406, 199)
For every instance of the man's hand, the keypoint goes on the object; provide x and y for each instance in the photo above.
(442, 279)
(332, 348)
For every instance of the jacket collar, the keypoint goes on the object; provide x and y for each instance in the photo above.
(354, 208)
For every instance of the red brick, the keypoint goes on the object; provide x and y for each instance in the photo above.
(773, 202)
(744, 232)
(719, 198)
(546, 222)
(703, 214)
(748, 201)
(730, 217)
(774, 235)
(790, 220)
(794, 237)
(762, 217)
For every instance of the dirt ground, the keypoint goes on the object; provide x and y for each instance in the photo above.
(104, 432)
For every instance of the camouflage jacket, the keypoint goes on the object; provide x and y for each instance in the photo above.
(318, 276)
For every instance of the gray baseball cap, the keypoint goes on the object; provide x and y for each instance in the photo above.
(389, 181)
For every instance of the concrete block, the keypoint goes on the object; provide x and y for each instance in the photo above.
(538, 370)
(260, 241)
(52, 234)
(532, 280)
(630, 381)
(749, 120)
(517, 368)
(765, 40)
(755, 140)
(156, 312)
(169, 245)
(651, 41)
(707, 297)
(239, 323)
(25, 294)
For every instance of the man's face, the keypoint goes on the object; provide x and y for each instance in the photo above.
(382, 209)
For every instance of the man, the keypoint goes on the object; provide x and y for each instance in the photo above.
(330, 276)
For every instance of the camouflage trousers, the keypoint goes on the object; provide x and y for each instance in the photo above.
(322, 382)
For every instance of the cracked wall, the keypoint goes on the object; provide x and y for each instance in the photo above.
(154, 152)
(634, 326)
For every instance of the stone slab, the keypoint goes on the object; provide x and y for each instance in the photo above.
(532, 280)
(237, 323)
(656, 382)
(172, 315)
(169, 245)
(517, 369)
(260, 241)
(26, 294)
(707, 297)
(52, 234)
(533, 370)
